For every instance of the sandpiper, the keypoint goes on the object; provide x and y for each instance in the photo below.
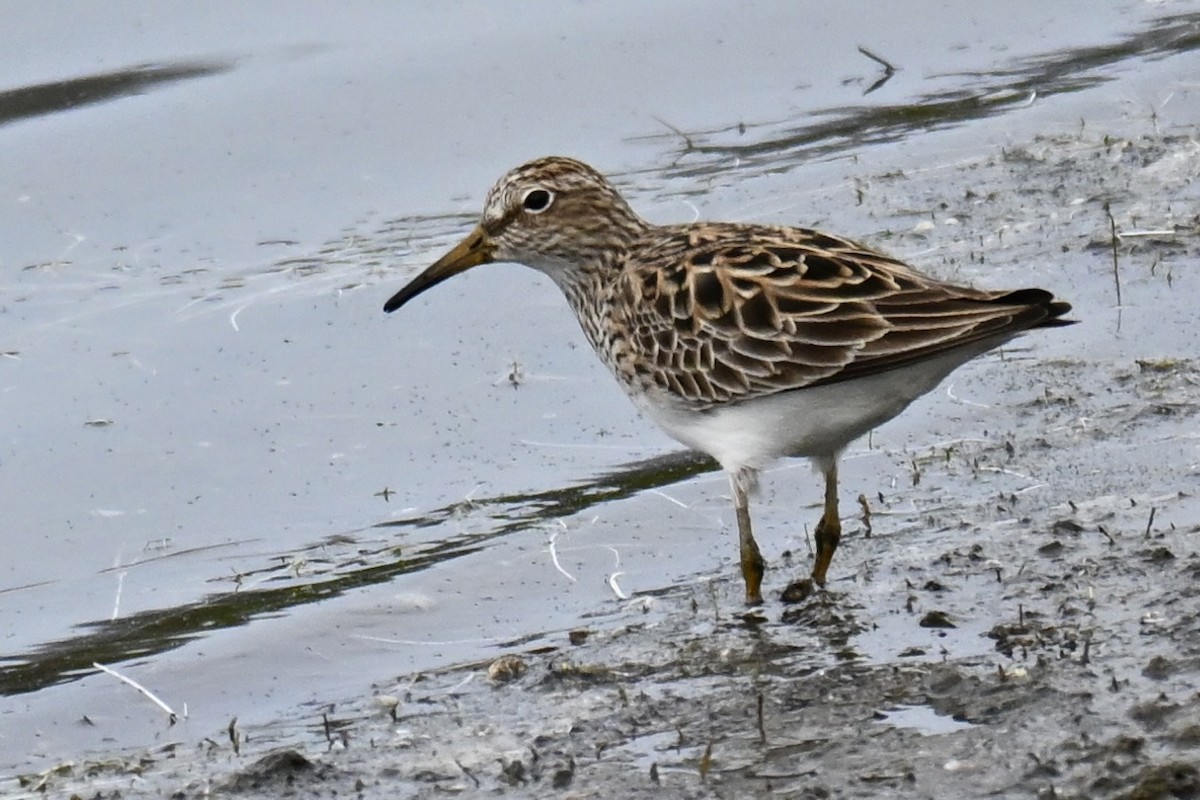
(746, 342)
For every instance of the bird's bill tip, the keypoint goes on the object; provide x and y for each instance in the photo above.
(472, 251)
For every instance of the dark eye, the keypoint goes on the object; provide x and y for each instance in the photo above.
(537, 200)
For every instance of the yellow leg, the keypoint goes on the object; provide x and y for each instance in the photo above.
(829, 529)
(753, 565)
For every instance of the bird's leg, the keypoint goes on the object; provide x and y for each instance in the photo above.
(752, 561)
(829, 529)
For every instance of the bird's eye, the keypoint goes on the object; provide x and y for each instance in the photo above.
(537, 200)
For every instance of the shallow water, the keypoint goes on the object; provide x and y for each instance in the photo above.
(228, 475)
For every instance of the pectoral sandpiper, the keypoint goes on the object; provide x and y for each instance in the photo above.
(746, 342)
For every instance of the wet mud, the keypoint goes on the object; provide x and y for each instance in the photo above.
(1022, 619)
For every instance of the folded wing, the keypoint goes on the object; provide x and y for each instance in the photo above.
(738, 311)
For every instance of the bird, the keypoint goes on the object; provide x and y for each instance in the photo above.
(747, 342)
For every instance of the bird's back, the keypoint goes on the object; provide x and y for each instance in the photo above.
(713, 313)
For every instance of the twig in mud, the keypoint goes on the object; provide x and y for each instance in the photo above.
(516, 375)
(706, 763)
(762, 728)
(1150, 522)
(1107, 535)
(866, 515)
(687, 140)
(116, 612)
(616, 589)
(235, 738)
(467, 772)
(554, 554)
(172, 717)
(888, 69)
(1158, 232)
(668, 497)
(1112, 227)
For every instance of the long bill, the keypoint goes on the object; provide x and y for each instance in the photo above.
(472, 251)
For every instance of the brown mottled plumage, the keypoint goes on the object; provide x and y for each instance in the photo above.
(747, 342)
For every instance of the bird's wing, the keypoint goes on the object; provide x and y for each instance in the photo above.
(726, 312)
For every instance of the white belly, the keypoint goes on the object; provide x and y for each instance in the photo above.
(816, 422)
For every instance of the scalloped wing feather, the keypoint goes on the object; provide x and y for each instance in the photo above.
(728, 312)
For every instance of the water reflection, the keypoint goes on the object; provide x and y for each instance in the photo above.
(51, 98)
(332, 567)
